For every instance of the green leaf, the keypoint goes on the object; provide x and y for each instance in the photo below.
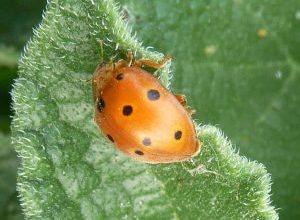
(70, 171)
(245, 83)
(9, 206)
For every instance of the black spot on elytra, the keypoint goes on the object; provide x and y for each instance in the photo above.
(110, 138)
(153, 95)
(138, 152)
(178, 135)
(127, 110)
(146, 141)
(100, 105)
(120, 76)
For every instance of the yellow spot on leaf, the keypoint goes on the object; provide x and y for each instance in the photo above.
(262, 33)
(297, 15)
(210, 50)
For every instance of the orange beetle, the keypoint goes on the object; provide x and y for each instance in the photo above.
(141, 117)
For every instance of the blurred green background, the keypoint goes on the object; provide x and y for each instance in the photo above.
(17, 18)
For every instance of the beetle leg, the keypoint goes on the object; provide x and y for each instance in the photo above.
(121, 64)
(125, 63)
(151, 63)
(129, 57)
(190, 110)
(181, 98)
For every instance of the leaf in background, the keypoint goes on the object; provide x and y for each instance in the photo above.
(8, 71)
(8, 56)
(238, 63)
(69, 171)
(9, 206)
(16, 21)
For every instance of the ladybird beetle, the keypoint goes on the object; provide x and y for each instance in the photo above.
(140, 116)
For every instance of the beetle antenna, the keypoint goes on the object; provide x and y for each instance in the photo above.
(101, 51)
(86, 80)
(130, 57)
